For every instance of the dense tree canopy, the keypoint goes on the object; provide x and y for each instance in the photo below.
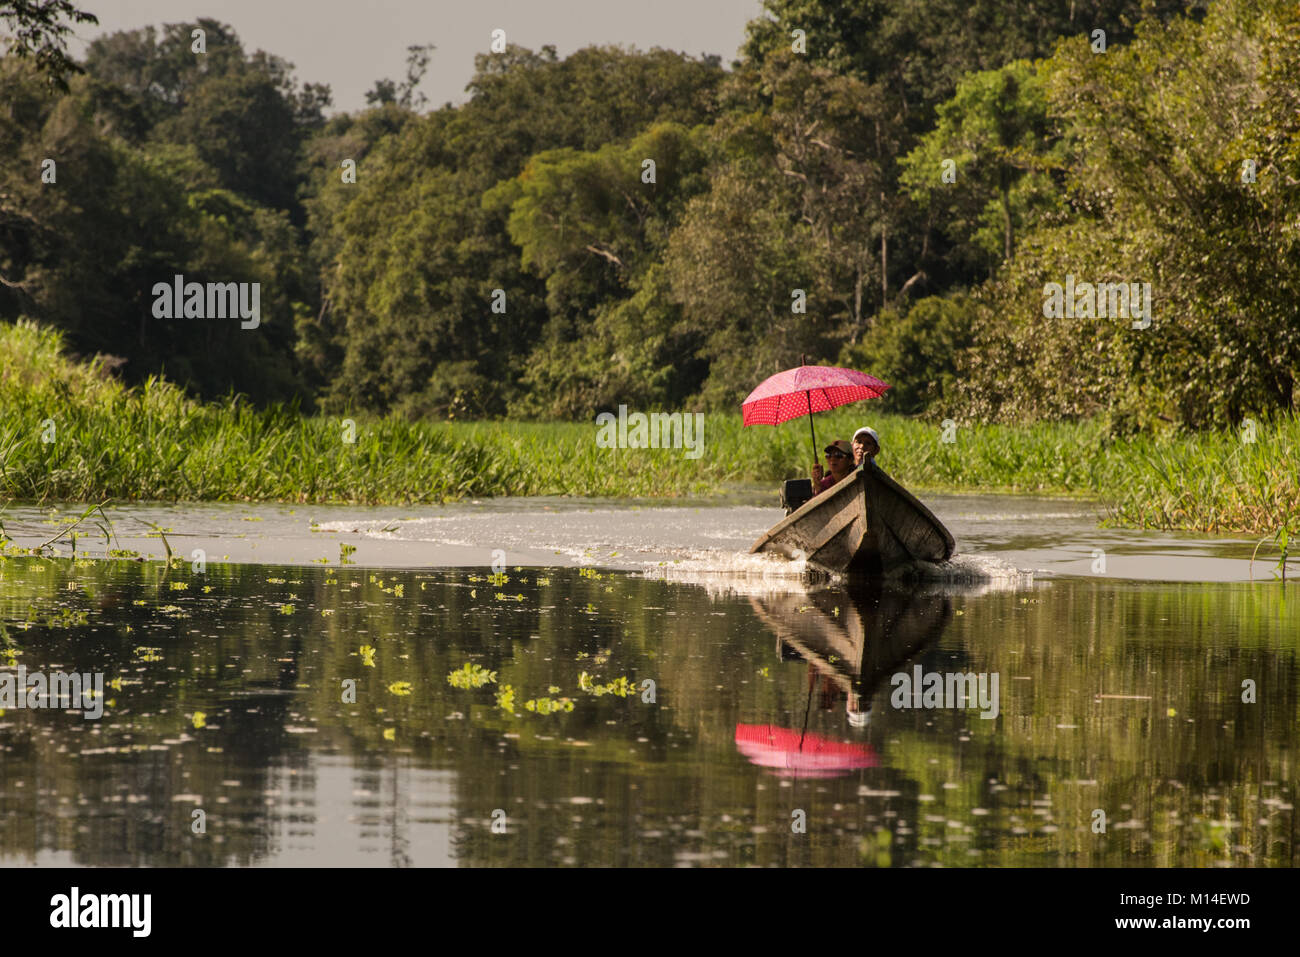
(891, 185)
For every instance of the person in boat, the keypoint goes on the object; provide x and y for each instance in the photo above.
(839, 459)
(866, 446)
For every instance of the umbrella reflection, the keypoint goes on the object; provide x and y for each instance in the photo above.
(796, 754)
(852, 641)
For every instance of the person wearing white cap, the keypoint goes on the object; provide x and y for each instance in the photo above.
(866, 445)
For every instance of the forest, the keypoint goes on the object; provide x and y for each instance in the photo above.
(890, 186)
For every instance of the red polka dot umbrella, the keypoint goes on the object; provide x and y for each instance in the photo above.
(805, 390)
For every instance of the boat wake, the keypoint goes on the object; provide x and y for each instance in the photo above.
(767, 575)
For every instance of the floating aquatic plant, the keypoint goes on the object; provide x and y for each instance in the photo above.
(549, 705)
(400, 688)
(621, 686)
(199, 719)
(367, 653)
(9, 650)
(506, 699)
(471, 675)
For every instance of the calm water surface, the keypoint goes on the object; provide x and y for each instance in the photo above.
(676, 703)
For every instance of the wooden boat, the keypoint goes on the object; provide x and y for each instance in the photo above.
(867, 525)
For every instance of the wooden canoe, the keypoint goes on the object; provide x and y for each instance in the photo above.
(866, 525)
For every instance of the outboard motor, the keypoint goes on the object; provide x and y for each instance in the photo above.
(795, 492)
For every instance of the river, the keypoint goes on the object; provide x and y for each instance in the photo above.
(540, 682)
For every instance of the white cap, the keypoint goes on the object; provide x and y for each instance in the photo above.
(869, 431)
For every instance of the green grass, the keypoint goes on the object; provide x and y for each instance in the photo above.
(153, 443)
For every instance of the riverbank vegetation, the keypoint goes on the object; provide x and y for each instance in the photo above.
(70, 431)
(619, 227)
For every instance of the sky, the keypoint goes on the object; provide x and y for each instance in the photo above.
(351, 43)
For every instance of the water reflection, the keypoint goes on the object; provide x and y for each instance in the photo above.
(852, 641)
(1116, 697)
(855, 639)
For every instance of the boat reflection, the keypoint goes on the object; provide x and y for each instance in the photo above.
(852, 640)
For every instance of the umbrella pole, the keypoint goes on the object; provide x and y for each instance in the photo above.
(811, 430)
(803, 361)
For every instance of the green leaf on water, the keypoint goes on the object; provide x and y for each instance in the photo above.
(471, 675)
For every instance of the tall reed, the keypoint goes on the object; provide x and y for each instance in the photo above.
(69, 432)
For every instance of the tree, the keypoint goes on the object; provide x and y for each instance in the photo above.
(917, 353)
(1181, 176)
(83, 252)
(993, 164)
(591, 225)
(414, 255)
(38, 30)
(917, 50)
(736, 261)
(405, 94)
(834, 140)
(244, 113)
(244, 129)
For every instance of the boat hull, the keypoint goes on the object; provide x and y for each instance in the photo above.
(865, 525)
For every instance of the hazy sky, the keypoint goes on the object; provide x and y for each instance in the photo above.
(351, 43)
